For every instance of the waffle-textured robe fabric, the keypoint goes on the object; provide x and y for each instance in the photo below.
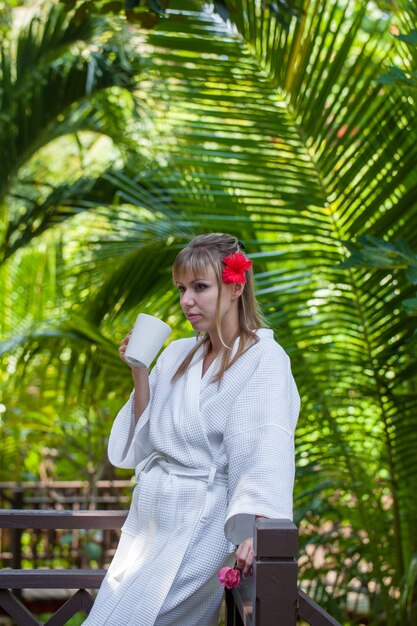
(208, 457)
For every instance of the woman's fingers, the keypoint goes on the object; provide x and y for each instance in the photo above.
(244, 557)
(123, 346)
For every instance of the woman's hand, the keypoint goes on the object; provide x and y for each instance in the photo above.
(140, 377)
(122, 348)
(244, 557)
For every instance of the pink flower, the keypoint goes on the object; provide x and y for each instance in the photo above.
(229, 577)
(236, 266)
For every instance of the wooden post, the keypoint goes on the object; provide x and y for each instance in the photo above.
(17, 532)
(233, 617)
(275, 571)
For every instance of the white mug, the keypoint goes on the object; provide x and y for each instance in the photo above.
(148, 336)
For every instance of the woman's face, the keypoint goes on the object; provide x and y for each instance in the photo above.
(198, 298)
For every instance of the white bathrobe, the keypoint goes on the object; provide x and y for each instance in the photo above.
(208, 457)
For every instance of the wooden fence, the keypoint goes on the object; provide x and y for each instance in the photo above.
(268, 598)
(67, 494)
(51, 547)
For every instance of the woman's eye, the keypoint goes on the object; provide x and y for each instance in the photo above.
(181, 289)
(200, 286)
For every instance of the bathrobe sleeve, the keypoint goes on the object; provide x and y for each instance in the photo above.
(129, 441)
(259, 442)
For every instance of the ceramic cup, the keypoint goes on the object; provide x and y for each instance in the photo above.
(148, 336)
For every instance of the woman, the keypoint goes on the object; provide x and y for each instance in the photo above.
(210, 435)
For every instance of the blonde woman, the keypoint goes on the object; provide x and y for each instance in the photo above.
(210, 434)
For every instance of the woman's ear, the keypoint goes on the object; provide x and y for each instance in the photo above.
(237, 290)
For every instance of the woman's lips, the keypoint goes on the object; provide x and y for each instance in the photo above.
(193, 316)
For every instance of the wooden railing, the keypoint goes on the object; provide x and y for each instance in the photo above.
(12, 580)
(47, 547)
(271, 597)
(268, 598)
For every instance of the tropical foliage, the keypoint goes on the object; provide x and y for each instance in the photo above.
(276, 122)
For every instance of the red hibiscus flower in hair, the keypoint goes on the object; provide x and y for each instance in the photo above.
(236, 266)
(229, 577)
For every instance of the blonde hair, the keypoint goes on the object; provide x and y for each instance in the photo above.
(210, 250)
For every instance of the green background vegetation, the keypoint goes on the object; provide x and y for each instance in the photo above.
(289, 124)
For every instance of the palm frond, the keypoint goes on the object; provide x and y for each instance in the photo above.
(52, 82)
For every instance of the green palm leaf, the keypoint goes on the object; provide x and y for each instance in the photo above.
(52, 82)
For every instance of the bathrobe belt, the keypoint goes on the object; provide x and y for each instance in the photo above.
(211, 475)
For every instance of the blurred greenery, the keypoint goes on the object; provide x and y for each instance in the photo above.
(76, 620)
(121, 139)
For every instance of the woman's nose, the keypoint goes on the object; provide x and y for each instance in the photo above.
(187, 297)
